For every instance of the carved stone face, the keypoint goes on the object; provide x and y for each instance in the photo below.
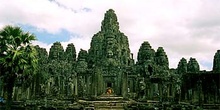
(142, 85)
(110, 41)
(109, 54)
(110, 61)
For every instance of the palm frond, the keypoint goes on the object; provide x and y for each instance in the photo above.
(20, 55)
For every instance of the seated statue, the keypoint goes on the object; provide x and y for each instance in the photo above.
(109, 91)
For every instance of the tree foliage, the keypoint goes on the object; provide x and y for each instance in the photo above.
(17, 57)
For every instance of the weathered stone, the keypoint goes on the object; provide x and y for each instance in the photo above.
(42, 74)
(153, 67)
(82, 66)
(145, 53)
(193, 65)
(56, 52)
(110, 52)
(216, 62)
(161, 59)
(182, 66)
(162, 63)
(70, 53)
(110, 22)
(83, 74)
(60, 67)
(108, 72)
(145, 60)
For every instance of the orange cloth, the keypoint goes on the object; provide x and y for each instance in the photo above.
(109, 91)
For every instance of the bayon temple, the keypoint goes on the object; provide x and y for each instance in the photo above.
(109, 72)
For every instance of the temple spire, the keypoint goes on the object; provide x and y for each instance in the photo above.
(110, 22)
(216, 62)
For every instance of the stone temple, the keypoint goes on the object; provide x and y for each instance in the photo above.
(109, 56)
(107, 77)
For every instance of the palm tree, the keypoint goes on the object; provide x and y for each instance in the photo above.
(17, 57)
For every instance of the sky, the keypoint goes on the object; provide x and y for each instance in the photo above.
(184, 28)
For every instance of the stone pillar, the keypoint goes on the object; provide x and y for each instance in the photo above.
(118, 86)
(1, 88)
(1, 91)
(101, 81)
(151, 94)
(160, 90)
(47, 89)
(75, 85)
(125, 85)
(89, 86)
(120, 83)
(28, 93)
(94, 84)
(14, 94)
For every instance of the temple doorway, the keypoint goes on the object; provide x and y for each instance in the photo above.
(109, 89)
(109, 84)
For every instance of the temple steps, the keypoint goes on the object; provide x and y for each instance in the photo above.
(105, 105)
(110, 98)
(105, 102)
(211, 106)
(109, 106)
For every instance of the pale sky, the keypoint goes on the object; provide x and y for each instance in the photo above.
(185, 28)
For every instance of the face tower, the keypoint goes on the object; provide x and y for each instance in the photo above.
(109, 55)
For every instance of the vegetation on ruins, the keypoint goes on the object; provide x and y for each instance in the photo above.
(42, 71)
(32, 73)
(216, 62)
(182, 66)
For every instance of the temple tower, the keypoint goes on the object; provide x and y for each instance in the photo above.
(109, 55)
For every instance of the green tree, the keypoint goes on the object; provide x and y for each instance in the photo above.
(17, 57)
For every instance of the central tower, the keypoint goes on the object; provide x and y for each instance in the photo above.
(109, 56)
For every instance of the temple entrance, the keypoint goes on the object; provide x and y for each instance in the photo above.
(109, 84)
(109, 89)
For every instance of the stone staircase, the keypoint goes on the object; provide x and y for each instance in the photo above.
(211, 106)
(109, 105)
(106, 102)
